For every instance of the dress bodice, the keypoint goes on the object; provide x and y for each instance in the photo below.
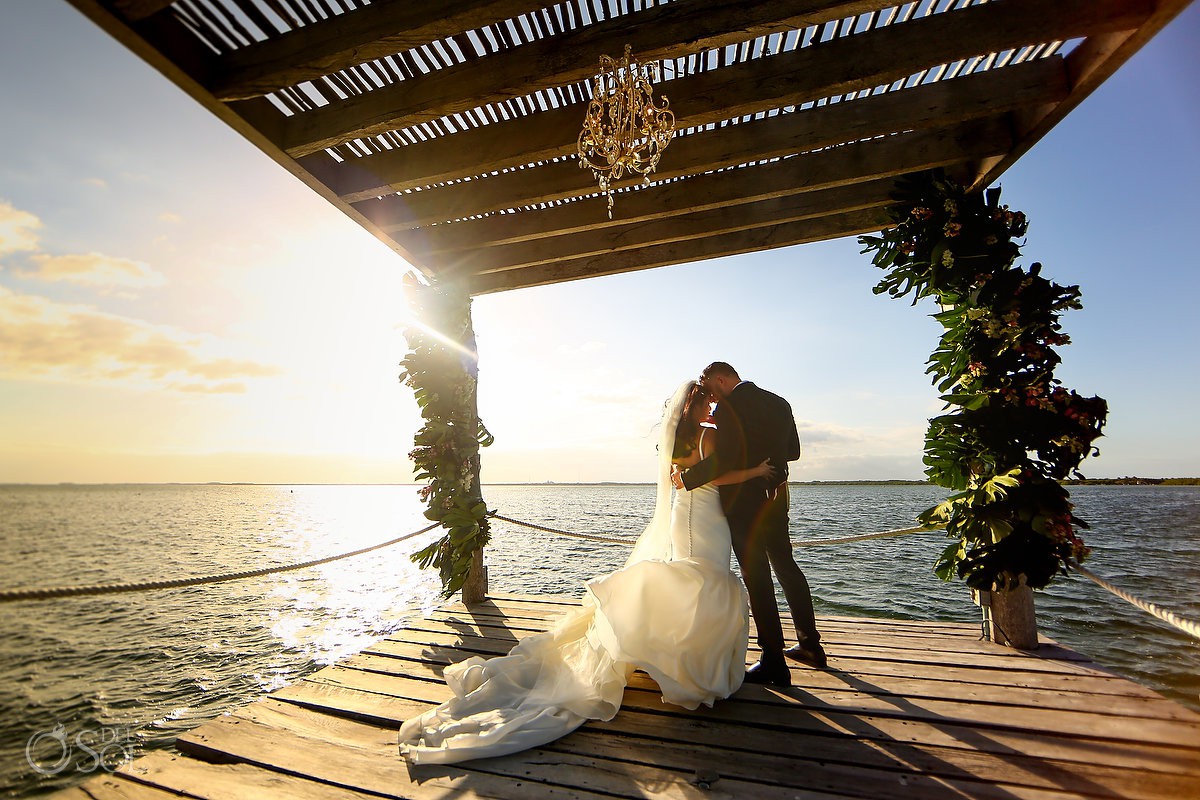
(698, 527)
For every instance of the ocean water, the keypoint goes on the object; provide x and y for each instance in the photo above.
(91, 679)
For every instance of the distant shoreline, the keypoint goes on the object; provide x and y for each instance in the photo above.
(1125, 481)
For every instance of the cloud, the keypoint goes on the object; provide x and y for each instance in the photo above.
(18, 233)
(169, 216)
(824, 433)
(40, 339)
(857, 466)
(99, 183)
(17, 229)
(93, 269)
(229, 387)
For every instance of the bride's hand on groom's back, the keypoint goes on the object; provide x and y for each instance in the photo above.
(676, 476)
(764, 470)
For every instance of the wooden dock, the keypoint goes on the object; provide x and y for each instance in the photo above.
(906, 710)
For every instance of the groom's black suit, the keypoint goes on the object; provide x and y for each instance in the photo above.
(754, 424)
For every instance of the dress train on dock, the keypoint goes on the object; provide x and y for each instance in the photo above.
(676, 611)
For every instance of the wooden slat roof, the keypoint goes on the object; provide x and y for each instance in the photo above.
(448, 128)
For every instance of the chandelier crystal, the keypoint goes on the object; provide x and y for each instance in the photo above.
(623, 131)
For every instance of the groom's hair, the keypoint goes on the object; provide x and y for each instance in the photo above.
(719, 368)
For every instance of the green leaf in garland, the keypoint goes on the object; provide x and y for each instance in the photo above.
(994, 369)
(447, 446)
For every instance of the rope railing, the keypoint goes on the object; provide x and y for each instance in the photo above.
(12, 595)
(1188, 626)
(589, 537)
(50, 592)
(863, 536)
(807, 543)
(1170, 617)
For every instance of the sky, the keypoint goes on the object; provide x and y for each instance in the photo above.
(176, 307)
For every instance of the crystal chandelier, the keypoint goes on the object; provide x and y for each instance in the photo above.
(623, 130)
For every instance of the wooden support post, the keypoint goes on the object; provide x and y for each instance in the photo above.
(474, 589)
(443, 369)
(1009, 617)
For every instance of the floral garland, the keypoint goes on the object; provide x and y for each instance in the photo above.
(1013, 431)
(442, 369)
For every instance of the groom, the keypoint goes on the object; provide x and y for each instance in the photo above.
(755, 424)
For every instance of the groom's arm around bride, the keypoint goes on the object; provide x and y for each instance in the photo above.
(754, 424)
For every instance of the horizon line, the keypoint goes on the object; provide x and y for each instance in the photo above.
(907, 481)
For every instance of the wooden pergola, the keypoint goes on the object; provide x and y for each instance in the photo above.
(448, 128)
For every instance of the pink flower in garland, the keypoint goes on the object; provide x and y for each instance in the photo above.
(1008, 335)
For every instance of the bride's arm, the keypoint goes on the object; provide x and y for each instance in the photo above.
(763, 470)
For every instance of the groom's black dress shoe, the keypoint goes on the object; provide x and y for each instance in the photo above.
(811, 654)
(772, 672)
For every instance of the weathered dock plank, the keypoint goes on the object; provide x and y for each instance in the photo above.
(908, 708)
(747, 709)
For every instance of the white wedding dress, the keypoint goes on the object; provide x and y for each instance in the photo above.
(675, 610)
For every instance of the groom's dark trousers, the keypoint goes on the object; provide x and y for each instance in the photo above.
(754, 424)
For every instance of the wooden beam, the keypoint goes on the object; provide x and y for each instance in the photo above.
(660, 32)
(134, 10)
(681, 209)
(653, 33)
(836, 198)
(846, 64)
(345, 40)
(747, 241)
(850, 163)
(936, 105)
(1089, 65)
(659, 206)
(133, 39)
(930, 105)
(697, 225)
(156, 36)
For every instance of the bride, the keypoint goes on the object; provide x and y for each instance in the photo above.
(675, 611)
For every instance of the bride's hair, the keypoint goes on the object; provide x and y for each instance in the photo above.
(687, 432)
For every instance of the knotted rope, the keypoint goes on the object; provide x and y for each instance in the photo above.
(1171, 618)
(862, 536)
(1185, 625)
(588, 536)
(11, 595)
(808, 543)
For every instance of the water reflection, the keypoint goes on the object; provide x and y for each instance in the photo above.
(332, 610)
